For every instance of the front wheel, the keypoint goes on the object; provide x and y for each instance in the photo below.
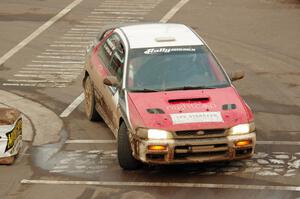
(125, 157)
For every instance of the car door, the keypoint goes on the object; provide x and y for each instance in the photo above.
(116, 68)
(109, 61)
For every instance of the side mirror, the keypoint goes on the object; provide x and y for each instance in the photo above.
(237, 75)
(111, 81)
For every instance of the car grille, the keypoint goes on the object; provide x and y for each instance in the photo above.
(201, 133)
(201, 151)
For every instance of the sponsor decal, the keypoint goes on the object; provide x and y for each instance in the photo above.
(181, 107)
(167, 50)
(198, 117)
(13, 135)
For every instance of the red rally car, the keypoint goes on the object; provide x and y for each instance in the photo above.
(166, 97)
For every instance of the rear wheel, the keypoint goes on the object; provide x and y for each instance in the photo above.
(125, 157)
(89, 94)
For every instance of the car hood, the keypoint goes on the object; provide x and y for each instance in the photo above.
(187, 109)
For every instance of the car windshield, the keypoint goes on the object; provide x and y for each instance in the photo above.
(174, 68)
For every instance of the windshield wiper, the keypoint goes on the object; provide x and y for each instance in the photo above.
(189, 88)
(144, 90)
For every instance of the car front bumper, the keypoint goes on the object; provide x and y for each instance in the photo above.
(195, 150)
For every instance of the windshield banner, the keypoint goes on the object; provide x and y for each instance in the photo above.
(167, 50)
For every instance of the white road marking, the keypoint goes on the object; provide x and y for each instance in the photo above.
(56, 66)
(101, 22)
(72, 106)
(120, 17)
(122, 3)
(83, 32)
(166, 18)
(60, 57)
(38, 31)
(17, 84)
(72, 42)
(78, 38)
(123, 9)
(107, 4)
(125, 6)
(87, 26)
(164, 184)
(82, 26)
(119, 13)
(61, 167)
(36, 85)
(90, 141)
(63, 53)
(173, 11)
(80, 35)
(278, 142)
(84, 29)
(52, 69)
(107, 20)
(95, 151)
(54, 76)
(67, 46)
(39, 81)
(75, 73)
(59, 50)
(58, 62)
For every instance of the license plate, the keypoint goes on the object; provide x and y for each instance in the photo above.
(198, 117)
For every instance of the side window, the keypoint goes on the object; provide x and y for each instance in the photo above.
(112, 54)
(105, 53)
(117, 61)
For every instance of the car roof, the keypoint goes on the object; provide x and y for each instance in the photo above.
(159, 35)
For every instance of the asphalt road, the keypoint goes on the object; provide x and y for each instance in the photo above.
(78, 160)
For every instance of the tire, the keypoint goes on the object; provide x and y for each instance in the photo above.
(89, 94)
(125, 157)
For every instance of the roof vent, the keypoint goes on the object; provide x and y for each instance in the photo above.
(164, 39)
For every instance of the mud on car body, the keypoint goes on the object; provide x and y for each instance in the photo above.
(165, 97)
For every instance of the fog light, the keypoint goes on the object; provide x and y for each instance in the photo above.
(243, 143)
(157, 148)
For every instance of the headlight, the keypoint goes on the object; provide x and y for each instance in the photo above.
(242, 129)
(156, 134)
